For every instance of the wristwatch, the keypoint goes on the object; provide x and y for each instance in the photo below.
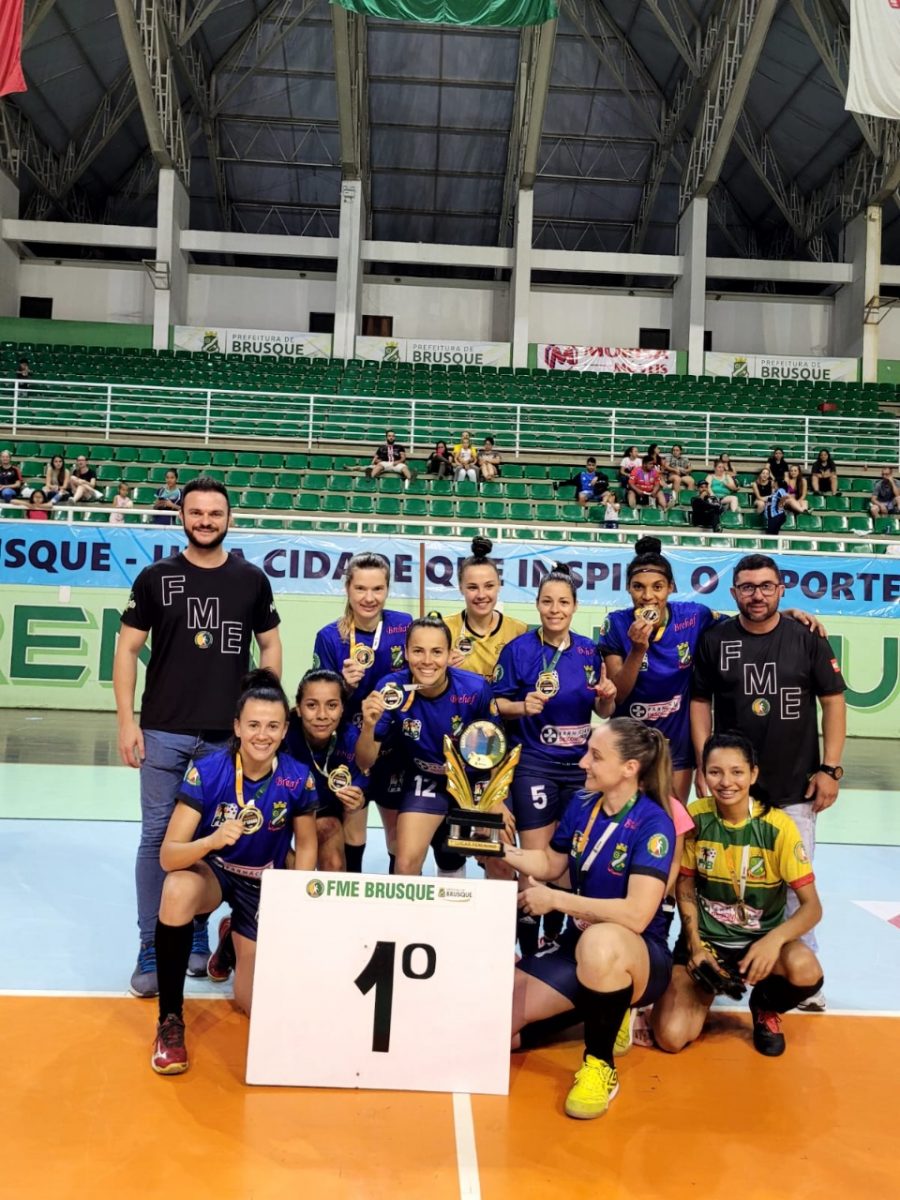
(834, 772)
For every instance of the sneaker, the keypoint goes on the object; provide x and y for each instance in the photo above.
(596, 1083)
(143, 980)
(169, 1053)
(767, 1036)
(199, 959)
(625, 1036)
(222, 960)
(814, 1003)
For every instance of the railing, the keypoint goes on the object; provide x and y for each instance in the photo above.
(124, 412)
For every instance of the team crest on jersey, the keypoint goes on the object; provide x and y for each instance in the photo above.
(132, 603)
(225, 812)
(619, 855)
(310, 784)
(396, 658)
(456, 725)
(706, 859)
(800, 853)
(279, 815)
(192, 776)
(203, 639)
(498, 673)
(590, 675)
(412, 728)
(645, 662)
(684, 654)
(760, 707)
(757, 868)
(658, 845)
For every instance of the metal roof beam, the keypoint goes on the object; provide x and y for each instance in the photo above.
(352, 83)
(34, 17)
(670, 16)
(535, 60)
(23, 148)
(278, 13)
(190, 25)
(748, 23)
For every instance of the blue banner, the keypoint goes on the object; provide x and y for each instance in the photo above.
(313, 564)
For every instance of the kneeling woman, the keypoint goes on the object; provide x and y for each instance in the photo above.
(434, 699)
(616, 839)
(322, 739)
(234, 818)
(731, 894)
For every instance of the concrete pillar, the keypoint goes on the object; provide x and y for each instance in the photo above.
(9, 255)
(851, 336)
(689, 295)
(348, 292)
(520, 284)
(172, 217)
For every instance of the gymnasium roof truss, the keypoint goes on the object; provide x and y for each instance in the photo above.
(533, 66)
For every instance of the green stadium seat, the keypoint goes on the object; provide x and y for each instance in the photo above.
(387, 483)
(468, 510)
(333, 502)
(389, 506)
(247, 459)
(859, 524)
(570, 513)
(200, 458)
(521, 511)
(315, 482)
(493, 510)
(221, 458)
(653, 516)
(251, 499)
(343, 483)
(361, 504)
(809, 522)
(157, 474)
(296, 462)
(732, 520)
(518, 490)
(415, 506)
(134, 474)
(834, 523)
(281, 501)
(441, 509)
(308, 501)
(837, 503)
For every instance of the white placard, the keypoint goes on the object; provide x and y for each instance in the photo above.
(375, 981)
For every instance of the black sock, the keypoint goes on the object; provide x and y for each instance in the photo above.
(527, 931)
(392, 864)
(553, 923)
(778, 994)
(445, 860)
(173, 949)
(603, 1013)
(354, 857)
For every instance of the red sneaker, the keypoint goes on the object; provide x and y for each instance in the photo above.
(222, 960)
(169, 1051)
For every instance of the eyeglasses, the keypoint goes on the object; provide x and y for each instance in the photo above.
(747, 589)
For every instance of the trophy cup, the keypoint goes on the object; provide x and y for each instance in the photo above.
(478, 777)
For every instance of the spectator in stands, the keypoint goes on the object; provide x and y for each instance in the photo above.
(723, 487)
(726, 460)
(761, 489)
(56, 478)
(465, 459)
(489, 460)
(630, 460)
(775, 510)
(168, 500)
(797, 488)
(439, 461)
(778, 465)
(645, 486)
(10, 478)
(706, 509)
(677, 473)
(390, 456)
(824, 477)
(82, 487)
(652, 457)
(23, 374)
(610, 510)
(885, 494)
(38, 508)
(121, 501)
(588, 479)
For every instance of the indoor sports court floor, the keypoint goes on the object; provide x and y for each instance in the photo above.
(82, 1113)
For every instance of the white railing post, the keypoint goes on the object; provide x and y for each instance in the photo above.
(806, 442)
(612, 435)
(108, 410)
(518, 428)
(412, 426)
(15, 411)
(706, 437)
(208, 416)
(309, 430)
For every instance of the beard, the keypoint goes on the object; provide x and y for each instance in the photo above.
(210, 545)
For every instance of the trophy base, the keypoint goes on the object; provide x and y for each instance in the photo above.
(474, 833)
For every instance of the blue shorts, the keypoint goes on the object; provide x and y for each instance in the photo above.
(541, 792)
(424, 793)
(555, 966)
(242, 897)
(386, 782)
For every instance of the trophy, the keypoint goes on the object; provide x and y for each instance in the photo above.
(479, 774)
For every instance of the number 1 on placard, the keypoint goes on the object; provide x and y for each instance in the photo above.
(378, 973)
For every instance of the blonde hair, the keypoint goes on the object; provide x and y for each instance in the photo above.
(650, 749)
(366, 561)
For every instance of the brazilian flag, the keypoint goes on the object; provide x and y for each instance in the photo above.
(513, 13)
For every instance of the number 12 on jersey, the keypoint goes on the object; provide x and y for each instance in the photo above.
(359, 978)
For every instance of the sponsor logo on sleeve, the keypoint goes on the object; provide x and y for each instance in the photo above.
(658, 845)
(800, 853)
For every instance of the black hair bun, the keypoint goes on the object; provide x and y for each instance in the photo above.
(560, 568)
(648, 545)
(482, 546)
(260, 677)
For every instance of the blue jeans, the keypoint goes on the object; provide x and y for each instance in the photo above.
(166, 759)
(8, 494)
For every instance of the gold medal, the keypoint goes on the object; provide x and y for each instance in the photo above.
(339, 778)
(464, 645)
(648, 614)
(393, 695)
(364, 655)
(251, 818)
(547, 684)
(741, 913)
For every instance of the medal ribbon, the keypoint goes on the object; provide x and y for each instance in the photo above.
(376, 641)
(559, 649)
(584, 865)
(740, 884)
(328, 753)
(239, 783)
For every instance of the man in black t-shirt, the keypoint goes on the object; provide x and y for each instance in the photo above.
(762, 674)
(390, 456)
(202, 608)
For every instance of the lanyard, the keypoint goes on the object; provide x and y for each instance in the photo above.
(239, 783)
(328, 753)
(559, 649)
(376, 641)
(584, 865)
(740, 884)
(663, 625)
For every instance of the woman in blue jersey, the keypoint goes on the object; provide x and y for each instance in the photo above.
(615, 841)
(234, 818)
(433, 699)
(322, 739)
(649, 653)
(361, 647)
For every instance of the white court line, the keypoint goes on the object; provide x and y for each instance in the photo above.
(466, 1150)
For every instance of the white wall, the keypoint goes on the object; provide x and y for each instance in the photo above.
(769, 325)
(889, 335)
(245, 299)
(9, 259)
(84, 292)
(590, 318)
(447, 311)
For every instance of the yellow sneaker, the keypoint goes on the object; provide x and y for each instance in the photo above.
(596, 1083)
(625, 1036)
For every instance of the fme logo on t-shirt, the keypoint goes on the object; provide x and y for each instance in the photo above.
(761, 679)
(203, 614)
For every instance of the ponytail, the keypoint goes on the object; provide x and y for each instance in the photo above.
(650, 748)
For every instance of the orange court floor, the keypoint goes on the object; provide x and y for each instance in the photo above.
(83, 1115)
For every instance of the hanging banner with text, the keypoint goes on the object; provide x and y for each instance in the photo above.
(607, 358)
(772, 366)
(272, 342)
(411, 350)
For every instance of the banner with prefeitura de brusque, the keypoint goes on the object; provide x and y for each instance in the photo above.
(433, 352)
(273, 343)
(63, 589)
